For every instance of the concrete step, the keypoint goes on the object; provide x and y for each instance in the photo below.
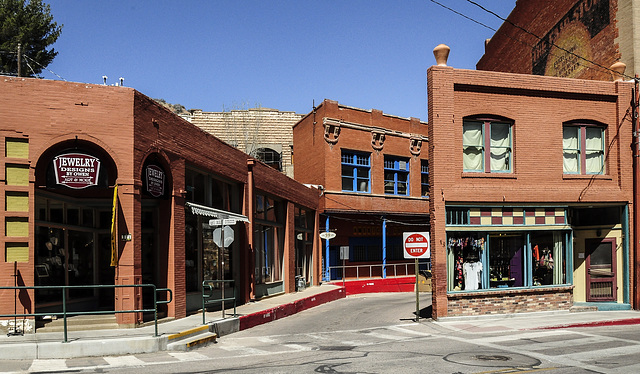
(192, 338)
(583, 308)
(79, 323)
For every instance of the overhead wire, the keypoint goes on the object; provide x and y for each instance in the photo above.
(588, 61)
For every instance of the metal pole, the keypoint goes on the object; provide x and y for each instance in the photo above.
(417, 294)
(222, 262)
(155, 308)
(64, 312)
(19, 60)
(327, 276)
(384, 247)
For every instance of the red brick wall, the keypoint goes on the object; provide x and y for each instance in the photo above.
(510, 49)
(538, 106)
(319, 162)
(513, 301)
(129, 126)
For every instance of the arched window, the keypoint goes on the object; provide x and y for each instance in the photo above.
(269, 157)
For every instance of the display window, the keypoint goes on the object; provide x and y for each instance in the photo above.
(496, 260)
(269, 239)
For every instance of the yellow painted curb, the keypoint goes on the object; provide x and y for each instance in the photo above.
(188, 332)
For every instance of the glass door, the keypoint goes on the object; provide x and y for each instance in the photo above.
(601, 270)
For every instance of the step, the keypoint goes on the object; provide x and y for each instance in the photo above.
(583, 308)
(79, 323)
(192, 338)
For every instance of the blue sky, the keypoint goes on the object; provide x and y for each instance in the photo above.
(221, 55)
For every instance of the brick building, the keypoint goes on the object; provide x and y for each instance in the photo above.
(372, 169)
(66, 146)
(566, 38)
(263, 133)
(532, 192)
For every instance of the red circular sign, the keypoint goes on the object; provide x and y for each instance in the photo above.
(416, 245)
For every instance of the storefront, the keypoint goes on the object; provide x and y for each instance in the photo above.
(104, 187)
(536, 257)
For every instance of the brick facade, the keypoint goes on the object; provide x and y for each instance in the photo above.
(537, 108)
(125, 129)
(600, 32)
(320, 140)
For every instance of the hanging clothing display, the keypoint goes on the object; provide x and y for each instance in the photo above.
(472, 271)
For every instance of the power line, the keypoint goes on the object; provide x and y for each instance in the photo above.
(494, 30)
(540, 38)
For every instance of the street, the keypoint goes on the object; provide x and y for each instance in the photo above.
(375, 333)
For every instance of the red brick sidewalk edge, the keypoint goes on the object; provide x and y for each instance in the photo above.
(259, 318)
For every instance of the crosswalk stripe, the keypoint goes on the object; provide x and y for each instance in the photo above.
(564, 343)
(385, 336)
(407, 331)
(56, 364)
(244, 350)
(602, 353)
(188, 356)
(529, 335)
(298, 347)
(124, 361)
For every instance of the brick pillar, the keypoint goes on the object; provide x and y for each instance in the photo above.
(176, 279)
(440, 98)
(129, 269)
(289, 271)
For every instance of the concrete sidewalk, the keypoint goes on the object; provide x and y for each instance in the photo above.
(143, 340)
(539, 320)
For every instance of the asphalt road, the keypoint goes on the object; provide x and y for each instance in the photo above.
(375, 333)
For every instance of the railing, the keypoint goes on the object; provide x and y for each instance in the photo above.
(373, 270)
(206, 298)
(65, 314)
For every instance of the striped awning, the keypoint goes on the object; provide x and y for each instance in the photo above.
(207, 211)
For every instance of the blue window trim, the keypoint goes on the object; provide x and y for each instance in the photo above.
(424, 172)
(392, 165)
(357, 161)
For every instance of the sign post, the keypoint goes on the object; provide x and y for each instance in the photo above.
(416, 245)
(222, 242)
(344, 255)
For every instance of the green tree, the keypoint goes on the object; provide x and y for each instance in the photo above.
(30, 24)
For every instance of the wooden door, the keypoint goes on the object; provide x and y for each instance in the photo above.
(601, 270)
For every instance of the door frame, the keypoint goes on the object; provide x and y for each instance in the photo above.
(590, 245)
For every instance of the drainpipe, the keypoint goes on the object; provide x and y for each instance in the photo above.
(636, 200)
(250, 263)
(384, 247)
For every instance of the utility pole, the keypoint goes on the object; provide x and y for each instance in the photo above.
(19, 59)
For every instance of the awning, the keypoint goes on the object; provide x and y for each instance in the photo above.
(207, 211)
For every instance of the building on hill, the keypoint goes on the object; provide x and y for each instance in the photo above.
(263, 133)
(534, 191)
(372, 169)
(101, 185)
(566, 38)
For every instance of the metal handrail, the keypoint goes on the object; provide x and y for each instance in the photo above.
(64, 312)
(372, 266)
(208, 284)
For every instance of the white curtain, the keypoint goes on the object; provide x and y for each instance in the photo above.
(558, 268)
(500, 147)
(594, 151)
(472, 141)
(571, 153)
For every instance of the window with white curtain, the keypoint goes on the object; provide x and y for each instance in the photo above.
(486, 146)
(583, 149)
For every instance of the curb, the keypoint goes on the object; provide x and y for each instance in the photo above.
(619, 322)
(262, 317)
